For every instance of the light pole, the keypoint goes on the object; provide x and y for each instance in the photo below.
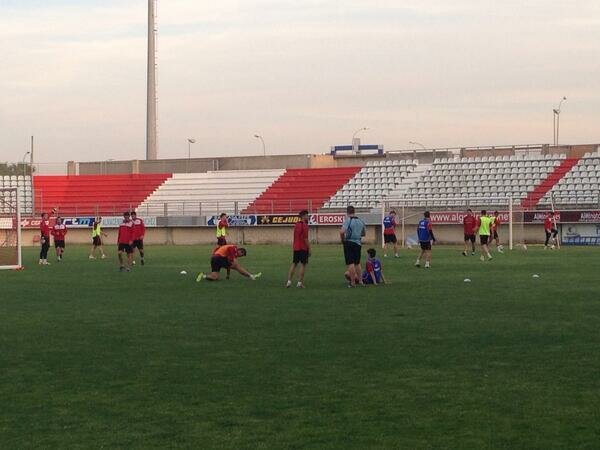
(358, 131)
(23, 163)
(417, 143)
(258, 136)
(190, 142)
(556, 117)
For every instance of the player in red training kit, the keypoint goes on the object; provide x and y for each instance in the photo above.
(125, 242)
(301, 248)
(550, 229)
(469, 229)
(138, 233)
(58, 232)
(44, 239)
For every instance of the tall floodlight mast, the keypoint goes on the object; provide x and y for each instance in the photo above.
(151, 151)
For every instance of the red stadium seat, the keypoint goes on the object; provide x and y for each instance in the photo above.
(94, 194)
(300, 189)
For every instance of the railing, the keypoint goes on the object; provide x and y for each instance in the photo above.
(197, 208)
(578, 199)
(178, 208)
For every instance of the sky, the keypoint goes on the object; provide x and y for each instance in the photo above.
(305, 74)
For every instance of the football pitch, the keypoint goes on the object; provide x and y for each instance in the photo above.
(94, 358)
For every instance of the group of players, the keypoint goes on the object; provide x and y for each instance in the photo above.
(131, 237)
(225, 256)
(486, 225)
(132, 231)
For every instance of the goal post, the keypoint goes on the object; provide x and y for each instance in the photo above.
(10, 229)
(452, 209)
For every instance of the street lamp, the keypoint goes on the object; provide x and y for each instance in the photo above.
(258, 136)
(556, 117)
(417, 143)
(190, 142)
(358, 131)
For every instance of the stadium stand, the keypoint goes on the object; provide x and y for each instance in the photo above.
(546, 185)
(372, 183)
(209, 193)
(94, 194)
(500, 176)
(302, 188)
(24, 184)
(579, 186)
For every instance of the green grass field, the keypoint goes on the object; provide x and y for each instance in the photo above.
(94, 358)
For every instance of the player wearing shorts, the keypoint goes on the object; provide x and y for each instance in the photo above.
(97, 235)
(426, 237)
(469, 229)
(373, 273)
(226, 257)
(138, 234)
(484, 224)
(550, 229)
(59, 230)
(222, 227)
(124, 243)
(44, 239)
(496, 222)
(351, 236)
(301, 249)
(389, 233)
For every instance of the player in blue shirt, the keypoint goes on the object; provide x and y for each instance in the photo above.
(373, 273)
(425, 234)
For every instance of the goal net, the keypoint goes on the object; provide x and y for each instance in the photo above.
(451, 211)
(10, 229)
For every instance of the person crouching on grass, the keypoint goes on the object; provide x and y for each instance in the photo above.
(301, 248)
(226, 257)
(373, 273)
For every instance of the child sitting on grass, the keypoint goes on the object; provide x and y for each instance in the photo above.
(373, 273)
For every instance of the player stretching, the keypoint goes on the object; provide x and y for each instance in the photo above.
(58, 232)
(496, 222)
(425, 234)
(125, 241)
(469, 227)
(97, 235)
(301, 248)
(139, 231)
(484, 224)
(389, 233)
(373, 273)
(44, 239)
(222, 227)
(226, 257)
(550, 229)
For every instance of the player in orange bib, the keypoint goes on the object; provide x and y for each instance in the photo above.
(226, 257)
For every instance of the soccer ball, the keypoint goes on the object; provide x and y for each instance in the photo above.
(183, 272)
